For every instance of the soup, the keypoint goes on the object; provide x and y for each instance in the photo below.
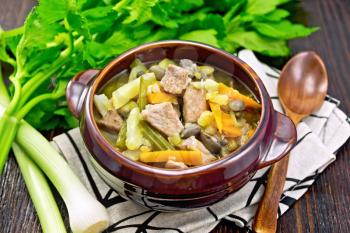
(176, 114)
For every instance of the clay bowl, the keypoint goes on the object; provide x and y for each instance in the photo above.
(172, 190)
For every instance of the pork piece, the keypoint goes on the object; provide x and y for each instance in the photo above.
(163, 117)
(111, 121)
(175, 80)
(175, 165)
(192, 143)
(194, 104)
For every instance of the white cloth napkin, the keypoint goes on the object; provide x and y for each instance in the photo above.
(319, 138)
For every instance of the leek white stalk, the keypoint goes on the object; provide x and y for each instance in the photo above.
(86, 214)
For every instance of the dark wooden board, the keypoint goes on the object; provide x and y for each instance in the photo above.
(324, 208)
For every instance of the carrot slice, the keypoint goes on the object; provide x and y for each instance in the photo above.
(250, 133)
(234, 94)
(215, 108)
(160, 97)
(229, 129)
(187, 157)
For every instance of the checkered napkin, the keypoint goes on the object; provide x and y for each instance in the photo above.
(319, 138)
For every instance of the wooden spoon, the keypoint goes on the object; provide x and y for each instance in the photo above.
(302, 88)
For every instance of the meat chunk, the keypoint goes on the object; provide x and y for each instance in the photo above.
(192, 143)
(175, 80)
(175, 165)
(194, 103)
(111, 121)
(163, 117)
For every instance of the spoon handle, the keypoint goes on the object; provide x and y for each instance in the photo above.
(266, 218)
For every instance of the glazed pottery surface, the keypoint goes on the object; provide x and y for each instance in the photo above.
(171, 190)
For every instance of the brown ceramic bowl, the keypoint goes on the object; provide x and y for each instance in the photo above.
(201, 186)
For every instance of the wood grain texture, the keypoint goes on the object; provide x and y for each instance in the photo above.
(324, 208)
(265, 220)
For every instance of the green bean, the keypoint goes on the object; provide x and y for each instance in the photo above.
(156, 139)
(125, 110)
(142, 101)
(122, 137)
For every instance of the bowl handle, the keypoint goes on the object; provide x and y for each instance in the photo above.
(77, 89)
(284, 138)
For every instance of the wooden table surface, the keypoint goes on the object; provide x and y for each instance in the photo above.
(324, 208)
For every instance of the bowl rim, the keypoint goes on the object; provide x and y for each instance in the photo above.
(151, 170)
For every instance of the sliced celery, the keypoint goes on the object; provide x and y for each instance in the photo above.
(157, 140)
(130, 90)
(134, 137)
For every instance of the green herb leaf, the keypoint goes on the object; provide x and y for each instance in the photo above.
(52, 10)
(259, 43)
(283, 29)
(139, 11)
(275, 15)
(187, 5)
(204, 36)
(261, 7)
(4, 55)
(99, 19)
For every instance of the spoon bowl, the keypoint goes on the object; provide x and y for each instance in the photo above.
(303, 84)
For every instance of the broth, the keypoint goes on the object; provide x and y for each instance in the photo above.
(176, 114)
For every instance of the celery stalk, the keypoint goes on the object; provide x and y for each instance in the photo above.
(14, 110)
(124, 94)
(8, 130)
(39, 190)
(86, 214)
(122, 137)
(40, 193)
(157, 140)
(134, 137)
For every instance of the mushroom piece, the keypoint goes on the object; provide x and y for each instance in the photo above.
(236, 105)
(158, 71)
(192, 143)
(190, 130)
(189, 65)
(210, 142)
